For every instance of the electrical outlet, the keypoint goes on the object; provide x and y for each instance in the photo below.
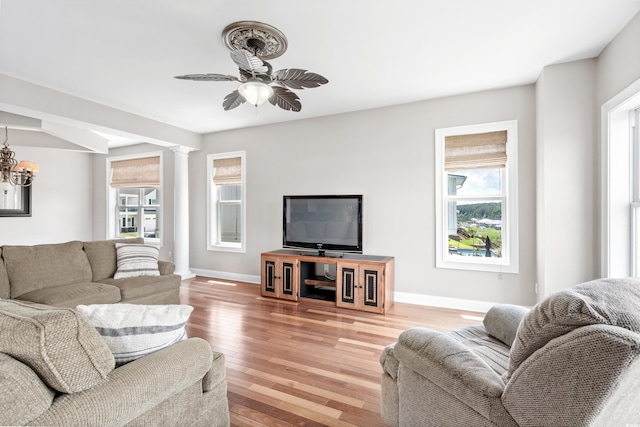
(326, 269)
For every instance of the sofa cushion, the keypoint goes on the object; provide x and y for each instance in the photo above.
(59, 344)
(102, 256)
(137, 287)
(31, 268)
(24, 396)
(502, 321)
(136, 260)
(5, 290)
(74, 294)
(612, 302)
(134, 330)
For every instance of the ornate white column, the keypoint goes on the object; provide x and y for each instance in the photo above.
(181, 211)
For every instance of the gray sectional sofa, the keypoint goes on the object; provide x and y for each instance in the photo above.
(72, 273)
(57, 369)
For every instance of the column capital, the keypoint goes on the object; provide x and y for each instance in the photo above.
(181, 149)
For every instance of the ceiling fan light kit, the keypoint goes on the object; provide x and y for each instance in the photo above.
(251, 43)
(255, 93)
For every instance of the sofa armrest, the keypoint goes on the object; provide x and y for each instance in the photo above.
(134, 388)
(389, 362)
(447, 363)
(502, 321)
(166, 267)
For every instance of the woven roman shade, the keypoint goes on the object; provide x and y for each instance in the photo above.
(227, 171)
(136, 173)
(475, 151)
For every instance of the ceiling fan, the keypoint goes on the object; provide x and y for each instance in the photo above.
(251, 43)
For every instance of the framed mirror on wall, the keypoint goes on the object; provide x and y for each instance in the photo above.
(15, 200)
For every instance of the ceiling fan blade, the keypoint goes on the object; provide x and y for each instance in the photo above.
(249, 62)
(207, 77)
(233, 100)
(297, 78)
(285, 99)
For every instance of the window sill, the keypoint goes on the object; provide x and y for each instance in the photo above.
(227, 248)
(479, 265)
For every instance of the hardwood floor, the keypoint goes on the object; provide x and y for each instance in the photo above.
(301, 364)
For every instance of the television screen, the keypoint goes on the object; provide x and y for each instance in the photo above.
(323, 222)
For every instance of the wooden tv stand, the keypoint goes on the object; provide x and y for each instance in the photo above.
(362, 282)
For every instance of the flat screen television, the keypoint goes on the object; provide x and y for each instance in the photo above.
(332, 223)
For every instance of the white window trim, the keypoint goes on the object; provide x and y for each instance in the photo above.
(617, 228)
(508, 263)
(211, 204)
(112, 193)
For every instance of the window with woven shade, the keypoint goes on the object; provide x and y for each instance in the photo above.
(226, 207)
(476, 197)
(135, 186)
(141, 172)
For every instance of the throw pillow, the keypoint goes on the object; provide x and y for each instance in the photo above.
(135, 330)
(134, 260)
(59, 344)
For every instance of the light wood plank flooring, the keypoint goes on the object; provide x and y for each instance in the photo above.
(301, 364)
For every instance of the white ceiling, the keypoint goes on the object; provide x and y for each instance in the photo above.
(124, 53)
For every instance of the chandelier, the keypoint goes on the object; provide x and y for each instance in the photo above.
(12, 172)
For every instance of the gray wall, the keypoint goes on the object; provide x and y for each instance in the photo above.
(567, 198)
(61, 199)
(387, 155)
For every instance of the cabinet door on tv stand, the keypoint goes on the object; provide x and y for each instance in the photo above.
(289, 280)
(346, 285)
(279, 278)
(268, 273)
(372, 280)
(360, 287)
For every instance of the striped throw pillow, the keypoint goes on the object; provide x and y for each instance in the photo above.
(134, 260)
(135, 330)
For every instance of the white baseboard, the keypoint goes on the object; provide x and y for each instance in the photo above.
(184, 275)
(248, 278)
(443, 302)
(404, 297)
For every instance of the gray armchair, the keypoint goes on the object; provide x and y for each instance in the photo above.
(572, 360)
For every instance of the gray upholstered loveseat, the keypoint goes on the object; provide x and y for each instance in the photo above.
(572, 360)
(72, 273)
(56, 370)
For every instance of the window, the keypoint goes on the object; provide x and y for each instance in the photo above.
(635, 188)
(226, 216)
(134, 197)
(476, 197)
(620, 215)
